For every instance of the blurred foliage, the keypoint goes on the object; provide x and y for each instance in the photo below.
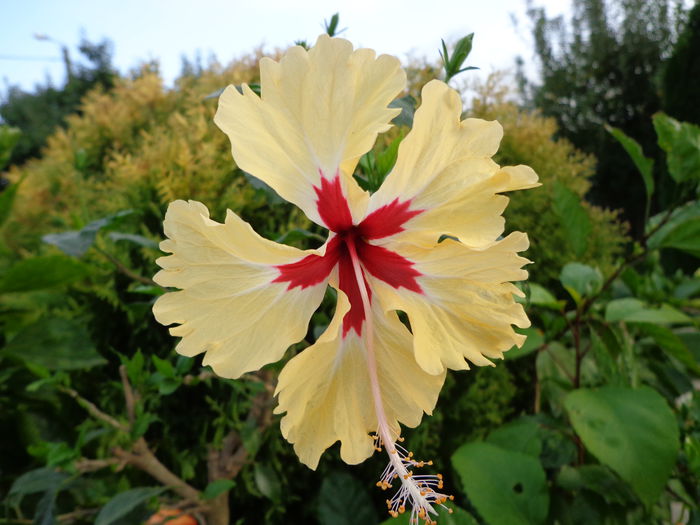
(596, 419)
(603, 67)
(530, 138)
(37, 114)
(680, 85)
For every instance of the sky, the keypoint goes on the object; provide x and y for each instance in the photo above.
(143, 30)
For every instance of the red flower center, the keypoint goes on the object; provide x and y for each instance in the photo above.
(383, 264)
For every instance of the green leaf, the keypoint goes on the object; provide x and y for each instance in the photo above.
(344, 501)
(535, 339)
(581, 280)
(42, 272)
(506, 487)
(457, 516)
(57, 344)
(164, 367)
(672, 344)
(217, 487)
(45, 509)
(332, 25)
(385, 160)
(633, 431)
(134, 366)
(132, 238)
(681, 142)
(268, 482)
(34, 481)
(521, 435)
(408, 109)
(141, 424)
(573, 217)
(607, 336)
(77, 242)
(120, 505)
(298, 234)
(453, 63)
(645, 165)
(632, 310)
(681, 231)
(540, 296)
(598, 479)
(263, 187)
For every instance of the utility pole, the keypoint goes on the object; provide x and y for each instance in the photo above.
(64, 52)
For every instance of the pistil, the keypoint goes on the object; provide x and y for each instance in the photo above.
(418, 491)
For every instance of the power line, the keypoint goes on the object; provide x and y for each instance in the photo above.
(30, 58)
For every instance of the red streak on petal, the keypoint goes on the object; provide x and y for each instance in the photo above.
(383, 264)
(348, 283)
(312, 269)
(390, 267)
(332, 206)
(387, 220)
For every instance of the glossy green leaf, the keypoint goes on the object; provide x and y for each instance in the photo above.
(535, 339)
(580, 280)
(452, 63)
(216, 488)
(555, 367)
(343, 500)
(506, 487)
(598, 479)
(645, 165)
(263, 187)
(672, 344)
(633, 431)
(267, 481)
(35, 481)
(681, 142)
(574, 219)
(632, 310)
(163, 366)
(77, 242)
(520, 435)
(42, 272)
(132, 238)
(540, 296)
(408, 110)
(57, 344)
(122, 504)
(386, 159)
(608, 338)
(679, 231)
(331, 25)
(298, 234)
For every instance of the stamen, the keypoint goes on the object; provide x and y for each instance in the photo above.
(417, 491)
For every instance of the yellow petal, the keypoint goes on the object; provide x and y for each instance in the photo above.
(228, 305)
(466, 308)
(444, 168)
(325, 390)
(319, 112)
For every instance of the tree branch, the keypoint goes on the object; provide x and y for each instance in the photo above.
(126, 271)
(141, 457)
(93, 410)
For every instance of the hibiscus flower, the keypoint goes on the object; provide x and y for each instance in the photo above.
(427, 243)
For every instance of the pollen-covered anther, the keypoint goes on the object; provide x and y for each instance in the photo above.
(417, 491)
